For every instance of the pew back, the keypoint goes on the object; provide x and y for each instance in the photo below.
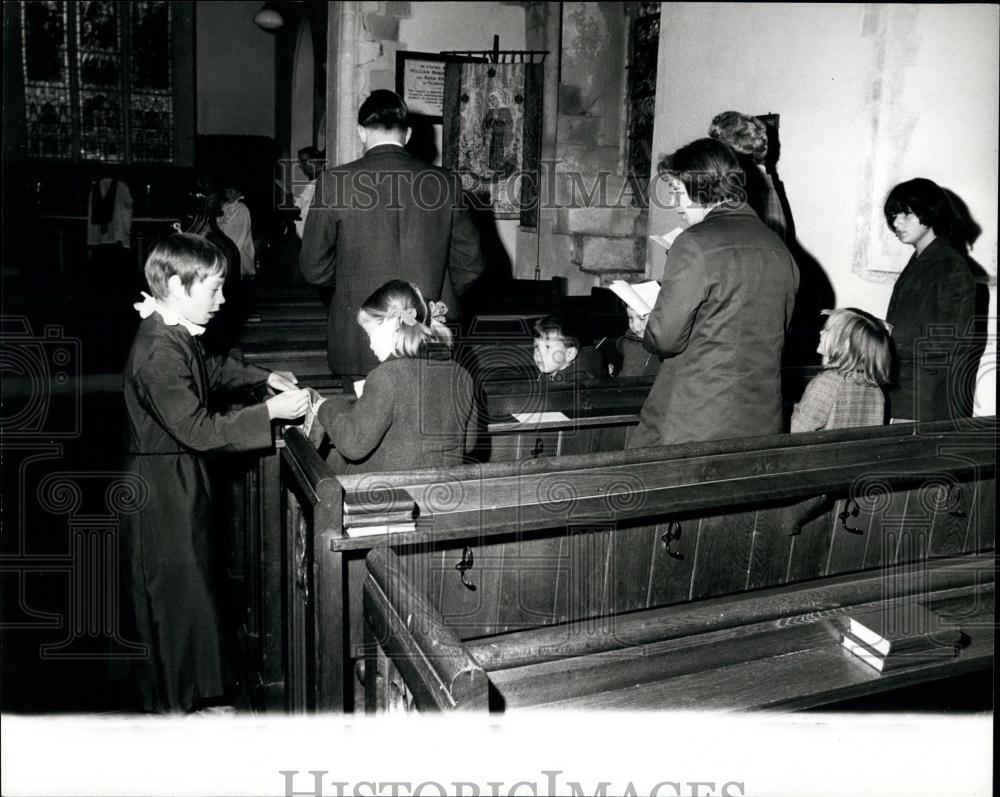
(512, 546)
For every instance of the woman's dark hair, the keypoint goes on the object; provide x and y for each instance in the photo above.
(926, 200)
(384, 109)
(709, 171)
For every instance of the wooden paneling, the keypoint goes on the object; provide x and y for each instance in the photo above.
(672, 565)
(723, 558)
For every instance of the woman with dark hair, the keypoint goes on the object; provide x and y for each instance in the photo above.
(719, 321)
(936, 289)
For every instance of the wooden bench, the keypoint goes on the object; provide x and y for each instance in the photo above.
(513, 547)
(773, 648)
(597, 420)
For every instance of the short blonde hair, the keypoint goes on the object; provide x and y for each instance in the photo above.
(402, 300)
(857, 344)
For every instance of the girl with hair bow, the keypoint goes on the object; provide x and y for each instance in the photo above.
(416, 407)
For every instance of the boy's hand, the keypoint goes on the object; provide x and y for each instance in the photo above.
(288, 405)
(282, 380)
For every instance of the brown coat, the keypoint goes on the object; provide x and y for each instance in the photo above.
(385, 216)
(719, 326)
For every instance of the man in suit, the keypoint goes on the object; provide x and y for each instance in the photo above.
(385, 216)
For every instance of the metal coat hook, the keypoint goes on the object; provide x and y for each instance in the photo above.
(672, 533)
(466, 564)
(851, 510)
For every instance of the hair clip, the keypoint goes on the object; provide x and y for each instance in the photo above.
(439, 310)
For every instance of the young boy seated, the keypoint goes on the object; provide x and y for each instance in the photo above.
(636, 361)
(559, 356)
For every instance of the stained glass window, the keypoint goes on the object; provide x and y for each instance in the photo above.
(47, 98)
(98, 80)
(644, 43)
(150, 96)
(98, 55)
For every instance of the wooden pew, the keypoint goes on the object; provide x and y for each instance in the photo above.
(598, 415)
(597, 420)
(775, 648)
(509, 547)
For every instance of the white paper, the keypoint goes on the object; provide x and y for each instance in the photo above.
(667, 239)
(359, 387)
(641, 297)
(540, 417)
(373, 531)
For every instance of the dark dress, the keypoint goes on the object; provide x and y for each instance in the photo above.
(413, 413)
(719, 327)
(168, 542)
(931, 310)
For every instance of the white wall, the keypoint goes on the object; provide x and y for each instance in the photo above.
(234, 64)
(433, 27)
(869, 95)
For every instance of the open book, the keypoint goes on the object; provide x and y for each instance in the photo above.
(640, 297)
(667, 239)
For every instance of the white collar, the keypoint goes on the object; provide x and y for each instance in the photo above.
(170, 318)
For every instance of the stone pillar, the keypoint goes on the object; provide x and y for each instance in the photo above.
(342, 66)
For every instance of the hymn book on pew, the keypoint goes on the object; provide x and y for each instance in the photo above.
(891, 638)
(907, 658)
(640, 297)
(910, 627)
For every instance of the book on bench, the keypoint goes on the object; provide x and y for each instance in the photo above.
(898, 659)
(385, 528)
(896, 629)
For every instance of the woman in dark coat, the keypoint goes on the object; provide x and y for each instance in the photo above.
(931, 308)
(720, 319)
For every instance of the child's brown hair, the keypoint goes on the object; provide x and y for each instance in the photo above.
(190, 257)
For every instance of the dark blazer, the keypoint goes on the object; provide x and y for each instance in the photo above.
(412, 413)
(719, 326)
(931, 310)
(385, 216)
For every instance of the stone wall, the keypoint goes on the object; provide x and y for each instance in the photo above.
(592, 232)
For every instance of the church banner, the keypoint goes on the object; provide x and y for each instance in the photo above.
(492, 133)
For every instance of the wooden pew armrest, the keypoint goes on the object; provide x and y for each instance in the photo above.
(430, 657)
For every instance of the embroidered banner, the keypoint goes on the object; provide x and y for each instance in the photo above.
(492, 121)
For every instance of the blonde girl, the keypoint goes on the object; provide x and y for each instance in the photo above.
(856, 367)
(416, 407)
